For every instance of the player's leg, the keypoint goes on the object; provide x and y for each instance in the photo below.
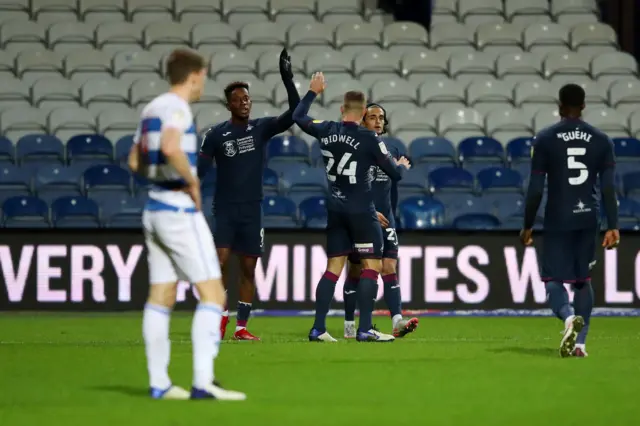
(247, 293)
(157, 315)
(338, 248)
(223, 255)
(223, 235)
(583, 290)
(368, 243)
(393, 298)
(324, 295)
(557, 267)
(350, 295)
(194, 256)
(249, 245)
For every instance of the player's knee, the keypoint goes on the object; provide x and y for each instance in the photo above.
(163, 294)
(212, 291)
(335, 265)
(354, 271)
(372, 264)
(223, 256)
(389, 266)
(248, 267)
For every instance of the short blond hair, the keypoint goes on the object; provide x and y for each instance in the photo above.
(354, 101)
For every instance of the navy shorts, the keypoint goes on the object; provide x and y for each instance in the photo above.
(567, 256)
(390, 241)
(359, 233)
(238, 226)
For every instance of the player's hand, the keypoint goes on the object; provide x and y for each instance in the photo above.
(403, 161)
(611, 239)
(285, 65)
(383, 220)
(194, 192)
(318, 83)
(526, 237)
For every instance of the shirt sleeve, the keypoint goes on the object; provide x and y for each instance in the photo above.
(384, 160)
(176, 117)
(608, 186)
(536, 182)
(207, 153)
(307, 124)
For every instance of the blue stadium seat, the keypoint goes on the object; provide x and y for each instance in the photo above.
(15, 178)
(123, 146)
(75, 212)
(316, 154)
(628, 207)
(39, 148)
(7, 151)
(421, 213)
(499, 179)
(54, 181)
(414, 180)
(523, 168)
(126, 212)
(457, 204)
(624, 166)
(626, 149)
(111, 202)
(270, 182)
(25, 212)
(519, 150)
(504, 204)
(631, 182)
(483, 150)
(58, 176)
(89, 149)
(305, 179)
(313, 212)
(434, 149)
(106, 178)
(628, 213)
(5, 194)
(284, 167)
(287, 148)
(514, 223)
(476, 221)
(450, 179)
(49, 195)
(279, 212)
(629, 226)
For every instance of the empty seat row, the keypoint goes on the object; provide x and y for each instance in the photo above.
(415, 212)
(366, 65)
(305, 33)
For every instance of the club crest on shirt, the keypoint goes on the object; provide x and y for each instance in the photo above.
(230, 149)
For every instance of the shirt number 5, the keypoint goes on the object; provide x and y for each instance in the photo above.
(573, 164)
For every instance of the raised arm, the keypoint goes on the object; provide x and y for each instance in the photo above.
(306, 123)
(284, 121)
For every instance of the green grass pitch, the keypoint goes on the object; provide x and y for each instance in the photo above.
(68, 370)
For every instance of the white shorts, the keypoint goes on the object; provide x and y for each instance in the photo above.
(179, 247)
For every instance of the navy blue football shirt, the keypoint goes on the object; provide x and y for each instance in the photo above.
(350, 153)
(572, 155)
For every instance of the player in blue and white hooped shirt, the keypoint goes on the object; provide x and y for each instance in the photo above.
(179, 244)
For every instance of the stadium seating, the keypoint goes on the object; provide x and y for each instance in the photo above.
(464, 99)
